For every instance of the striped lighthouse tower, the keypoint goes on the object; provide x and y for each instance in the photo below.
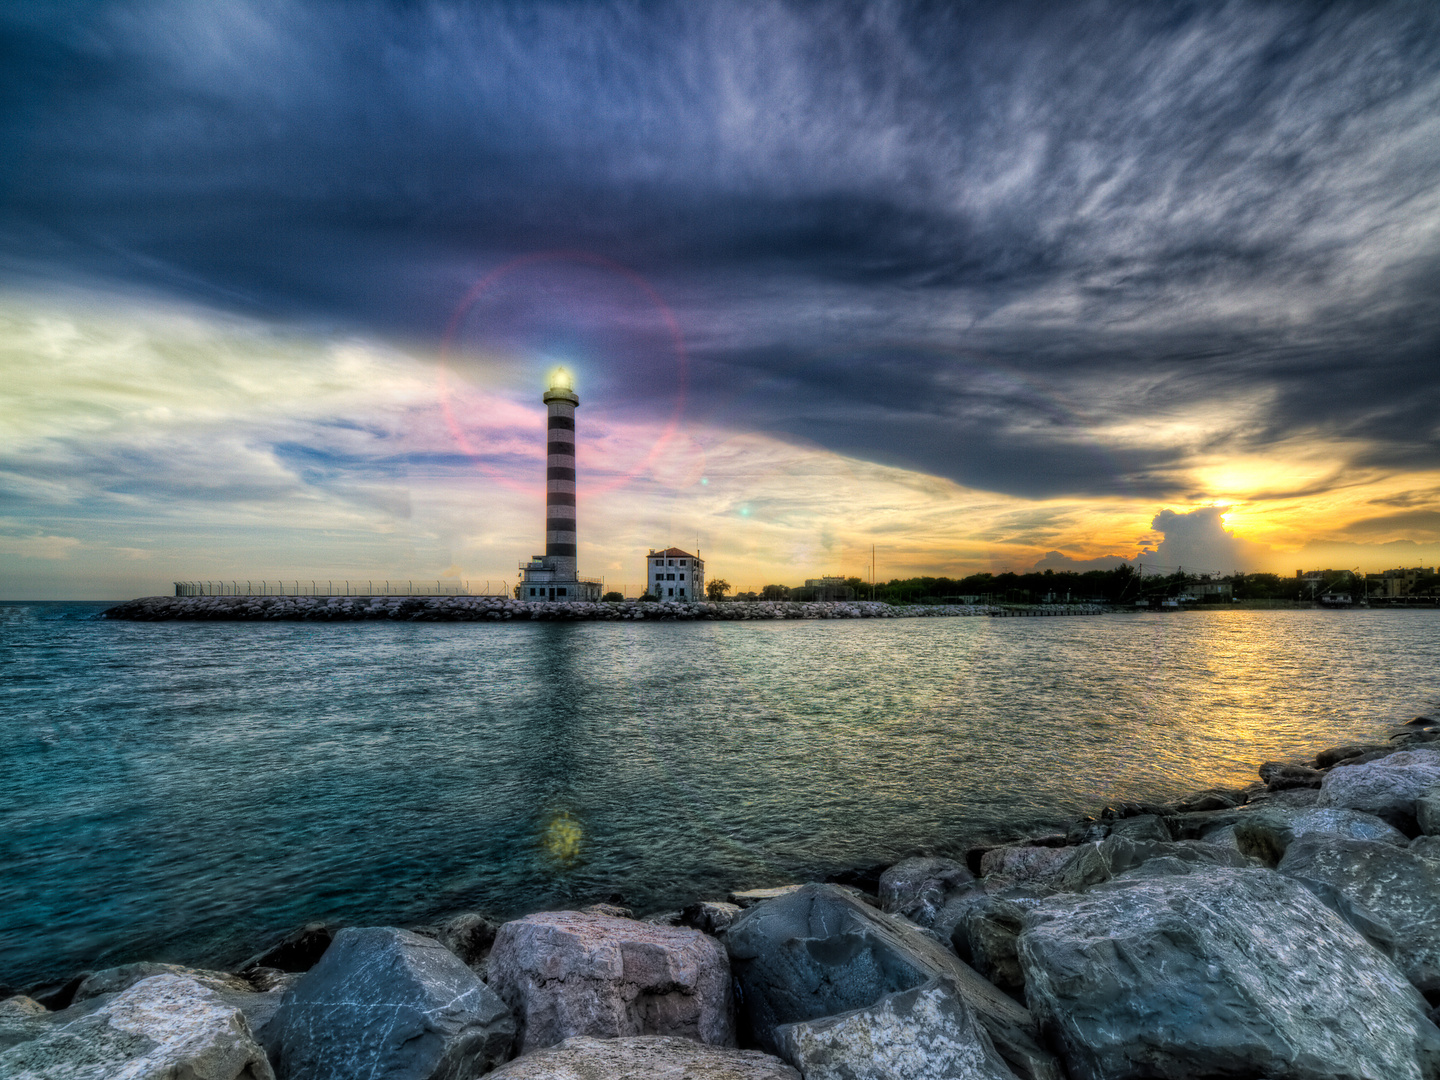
(560, 538)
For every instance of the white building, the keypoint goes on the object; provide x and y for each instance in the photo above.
(674, 575)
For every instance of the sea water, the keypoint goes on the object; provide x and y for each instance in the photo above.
(185, 791)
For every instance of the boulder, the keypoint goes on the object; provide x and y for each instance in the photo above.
(1024, 864)
(820, 951)
(386, 1002)
(917, 888)
(1327, 759)
(1279, 776)
(1386, 788)
(710, 916)
(1116, 855)
(1267, 833)
(750, 897)
(986, 937)
(570, 973)
(164, 1027)
(21, 1019)
(1427, 812)
(1142, 827)
(1221, 972)
(927, 1033)
(299, 950)
(468, 935)
(644, 1057)
(1427, 847)
(117, 979)
(1394, 886)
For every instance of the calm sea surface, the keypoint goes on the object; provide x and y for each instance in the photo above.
(184, 791)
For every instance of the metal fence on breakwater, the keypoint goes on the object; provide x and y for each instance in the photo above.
(301, 587)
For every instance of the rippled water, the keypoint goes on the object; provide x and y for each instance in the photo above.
(184, 791)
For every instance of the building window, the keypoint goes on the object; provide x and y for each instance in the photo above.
(682, 592)
(670, 563)
(672, 592)
(560, 591)
(659, 562)
(682, 577)
(532, 592)
(682, 562)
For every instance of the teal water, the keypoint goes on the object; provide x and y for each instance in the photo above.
(183, 791)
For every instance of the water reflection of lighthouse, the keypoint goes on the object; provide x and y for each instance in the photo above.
(553, 576)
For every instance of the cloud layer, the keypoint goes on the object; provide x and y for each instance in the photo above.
(1103, 253)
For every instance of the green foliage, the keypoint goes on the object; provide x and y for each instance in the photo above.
(646, 598)
(775, 592)
(716, 588)
(613, 597)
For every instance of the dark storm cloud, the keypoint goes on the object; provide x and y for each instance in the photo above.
(969, 240)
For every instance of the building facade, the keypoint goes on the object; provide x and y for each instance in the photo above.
(674, 575)
(553, 576)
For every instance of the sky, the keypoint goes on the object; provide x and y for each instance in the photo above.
(986, 287)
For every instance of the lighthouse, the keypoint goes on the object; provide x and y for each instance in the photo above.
(553, 576)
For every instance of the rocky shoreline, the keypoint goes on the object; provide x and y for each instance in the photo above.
(496, 608)
(1289, 929)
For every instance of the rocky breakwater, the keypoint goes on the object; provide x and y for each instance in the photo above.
(1288, 930)
(497, 609)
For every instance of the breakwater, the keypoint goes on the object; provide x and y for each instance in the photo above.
(480, 608)
(1289, 929)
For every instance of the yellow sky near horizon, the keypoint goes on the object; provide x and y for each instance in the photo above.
(139, 446)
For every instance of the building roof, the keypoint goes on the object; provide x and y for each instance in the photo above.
(675, 553)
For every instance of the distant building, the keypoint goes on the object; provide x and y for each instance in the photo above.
(553, 576)
(823, 588)
(1203, 590)
(1392, 584)
(672, 574)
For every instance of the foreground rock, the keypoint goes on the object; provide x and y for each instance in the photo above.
(21, 1019)
(820, 951)
(166, 1027)
(117, 979)
(1386, 788)
(923, 1034)
(919, 888)
(1267, 833)
(386, 1002)
(644, 1057)
(1396, 887)
(567, 973)
(1219, 972)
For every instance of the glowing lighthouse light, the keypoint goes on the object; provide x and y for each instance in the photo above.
(553, 576)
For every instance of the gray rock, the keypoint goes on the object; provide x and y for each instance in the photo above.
(615, 911)
(711, 916)
(1296, 797)
(820, 951)
(1427, 812)
(166, 1027)
(1222, 972)
(1025, 864)
(22, 1019)
(297, 951)
(1266, 834)
(1396, 887)
(1328, 759)
(272, 980)
(1279, 776)
(986, 938)
(386, 1002)
(644, 1057)
(750, 897)
(917, 888)
(117, 979)
(1143, 827)
(468, 935)
(1386, 788)
(927, 1033)
(570, 973)
(1427, 847)
(1117, 855)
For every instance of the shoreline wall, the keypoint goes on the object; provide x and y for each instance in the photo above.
(495, 609)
